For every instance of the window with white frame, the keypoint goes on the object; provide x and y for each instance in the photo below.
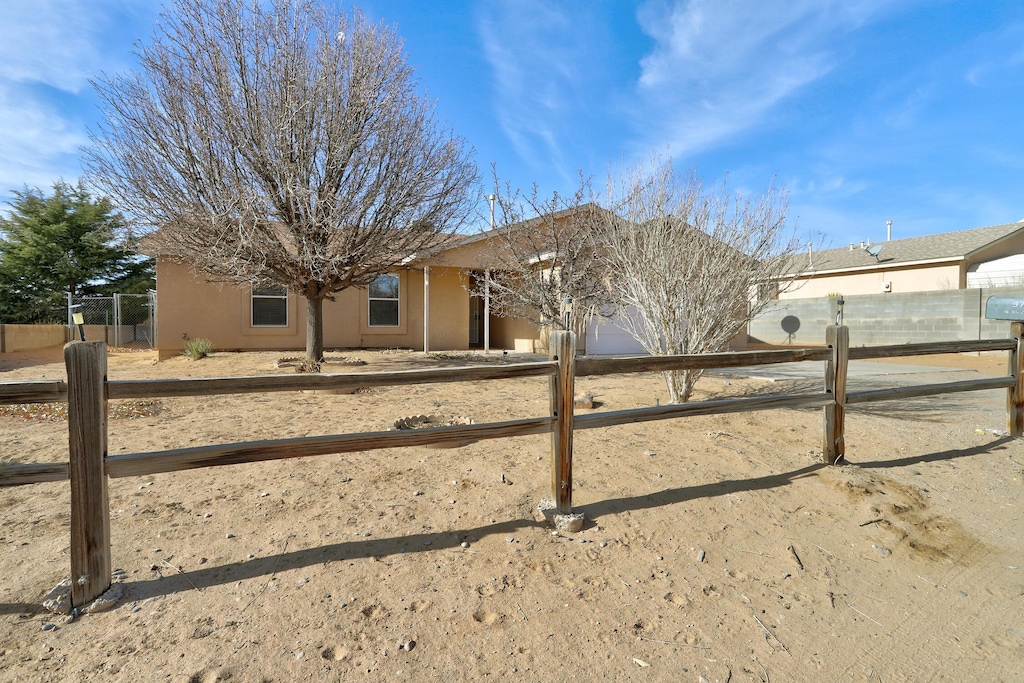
(269, 304)
(384, 301)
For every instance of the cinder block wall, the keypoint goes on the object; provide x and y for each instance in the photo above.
(876, 319)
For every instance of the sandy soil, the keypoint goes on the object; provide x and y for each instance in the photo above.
(716, 548)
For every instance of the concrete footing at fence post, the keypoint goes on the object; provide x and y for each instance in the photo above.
(569, 523)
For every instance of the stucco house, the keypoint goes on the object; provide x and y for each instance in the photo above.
(946, 261)
(432, 301)
(424, 304)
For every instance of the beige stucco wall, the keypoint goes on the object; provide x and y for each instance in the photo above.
(449, 309)
(28, 337)
(190, 307)
(475, 255)
(929, 278)
(515, 334)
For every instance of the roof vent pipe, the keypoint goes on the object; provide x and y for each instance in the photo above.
(888, 231)
(810, 254)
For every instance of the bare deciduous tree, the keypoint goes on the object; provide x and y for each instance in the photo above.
(283, 141)
(690, 264)
(543, 253)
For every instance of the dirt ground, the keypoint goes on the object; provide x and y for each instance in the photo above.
(716, 549)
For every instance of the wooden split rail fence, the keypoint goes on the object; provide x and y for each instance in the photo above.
(88, 390)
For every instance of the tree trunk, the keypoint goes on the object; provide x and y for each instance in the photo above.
(681, 383)
(314, 327)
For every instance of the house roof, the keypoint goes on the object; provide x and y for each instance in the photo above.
(460, 240)
(946, 246)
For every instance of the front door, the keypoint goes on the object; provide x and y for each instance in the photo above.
(476, 305)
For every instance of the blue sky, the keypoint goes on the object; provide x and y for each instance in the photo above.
(867, 110)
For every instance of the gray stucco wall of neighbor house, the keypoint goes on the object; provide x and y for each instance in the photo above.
(876, 319)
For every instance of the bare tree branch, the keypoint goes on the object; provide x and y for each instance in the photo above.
(284, 141)
(544, 251)
(689, 263)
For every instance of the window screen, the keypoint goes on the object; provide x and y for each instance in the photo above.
(269, 305)
(384, 301)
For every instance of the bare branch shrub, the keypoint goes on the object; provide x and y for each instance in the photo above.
(281, 140)
(689, 263)
(543, 252)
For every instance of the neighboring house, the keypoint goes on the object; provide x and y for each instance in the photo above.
(953, 260)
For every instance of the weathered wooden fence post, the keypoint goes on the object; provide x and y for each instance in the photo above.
(837, 337)
(86, 364)
(1015, 394)
(562, 348)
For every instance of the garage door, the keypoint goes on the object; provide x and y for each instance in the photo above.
(605, 337)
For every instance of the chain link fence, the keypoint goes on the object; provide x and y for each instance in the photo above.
(121, 320)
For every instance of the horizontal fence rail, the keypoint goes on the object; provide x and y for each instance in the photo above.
(931, 348)
(33, 473)
(716, 407)
(12, 393)
(214, 386)
(87, 393)
(930, 389)
(134, 464)
(734, 359)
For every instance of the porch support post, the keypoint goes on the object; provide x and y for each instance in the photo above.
(487, 310)
(426, 309)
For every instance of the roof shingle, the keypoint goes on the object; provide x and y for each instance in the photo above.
(946, 245)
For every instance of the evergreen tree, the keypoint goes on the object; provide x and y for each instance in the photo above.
(66, 242)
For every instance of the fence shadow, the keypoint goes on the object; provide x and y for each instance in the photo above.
(687, 493)
(952, 454)
(169, 582)
(919, 409)
(26, 609)
(172, 582)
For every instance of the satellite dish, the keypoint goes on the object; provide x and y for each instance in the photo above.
(874, 251)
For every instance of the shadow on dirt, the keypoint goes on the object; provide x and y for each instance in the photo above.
(167, 581)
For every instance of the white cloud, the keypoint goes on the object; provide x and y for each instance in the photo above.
(38, 145)
(539, 55)
(59, 43)
(49, 49)
(718, 67)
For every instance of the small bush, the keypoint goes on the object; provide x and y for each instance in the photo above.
(198, 348)
(308, 365)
